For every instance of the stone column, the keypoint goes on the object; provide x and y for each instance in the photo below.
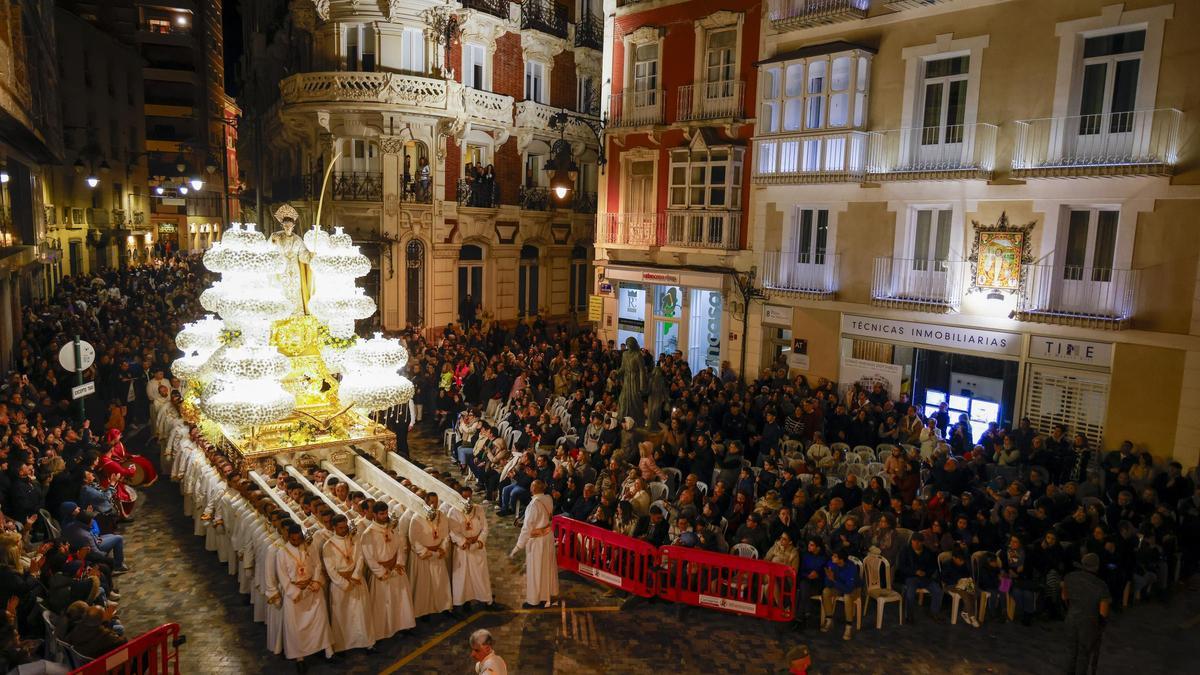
(391, 298)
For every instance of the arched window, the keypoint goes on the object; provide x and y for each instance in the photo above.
(581, 280)
(470, 275)
(414, 281)
(527, 282)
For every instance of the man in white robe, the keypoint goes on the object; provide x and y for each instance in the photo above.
(541, 571)
(470, 580)
(348, 596)
(429, 538)
(305, 616)
(384, 551)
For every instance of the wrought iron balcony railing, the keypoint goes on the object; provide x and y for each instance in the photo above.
(546, 16)
(497, 8)
(633, 229)
(534, 198)
(589, 32)
(584, 202)
(365, 186)
(930, 285)
(1092, 297)
(704, 229)
(483, 194)
(634, 108)
(710, 100)
(1138, 142)
(809, 274)
(789, 14)
(954, 151)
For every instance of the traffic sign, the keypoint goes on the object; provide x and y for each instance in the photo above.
(83, 390)
(87, 354)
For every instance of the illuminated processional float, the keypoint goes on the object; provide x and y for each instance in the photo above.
(276, 367)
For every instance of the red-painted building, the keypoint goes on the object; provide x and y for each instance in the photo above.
(674, 200)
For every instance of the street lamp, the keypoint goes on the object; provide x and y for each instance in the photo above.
(159, 190)
(3, 175)
(183, 189)
(562, 170)
(196, 183)
(92, 180)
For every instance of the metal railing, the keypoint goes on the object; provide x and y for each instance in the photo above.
(710, 100)
(478, 193)
(534, 198)
(589, 32)
(546, 16)
(1088, 295)
(1135, 142)
(497, 8)
(584, 202)
(918, 284)
(632, 108)
(804, 272)
(811, 158)
(955, 151)
(633, 229)
(704, 229)
(897, 5)
(165, 27)
(785, 14)
(364, 186)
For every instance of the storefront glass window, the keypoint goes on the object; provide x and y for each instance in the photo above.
(631, 313)
(704, 330)
(667, 301)
(666, 339)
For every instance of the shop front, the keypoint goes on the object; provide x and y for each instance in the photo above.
(974, 371)
(668, 311)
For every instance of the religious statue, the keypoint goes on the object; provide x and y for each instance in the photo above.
(659, 393)
(295, 278)
(633, 381)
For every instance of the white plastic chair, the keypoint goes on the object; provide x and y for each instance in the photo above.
(874, 468)
(703, 488)
(883, 450)
(845, 448)
(817, 452)
(879, 587)
(677, 479)
(983, 596)
(858, 602)
(744, 551)
(658, 491)
(860, 449)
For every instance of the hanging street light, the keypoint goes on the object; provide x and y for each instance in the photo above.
(92, 180)
(196, 183)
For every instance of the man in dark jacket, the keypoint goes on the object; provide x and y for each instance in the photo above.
(91, 637)
(25, 495)
(654, 528)
(917, 568)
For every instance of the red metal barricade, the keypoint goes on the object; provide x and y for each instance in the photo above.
(605, 556)
(728, 583)
(155, 652)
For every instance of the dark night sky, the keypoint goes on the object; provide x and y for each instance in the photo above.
(232, 20)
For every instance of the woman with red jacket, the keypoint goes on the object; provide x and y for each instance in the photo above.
(114, 467)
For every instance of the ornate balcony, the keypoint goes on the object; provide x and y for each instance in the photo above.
(362, 186)
(633, 229)
(806, 274)
(1086, 297)
(589, 32)
(951, 152)
(489, 107)
(710, 100)
(791, 14)
(832, 157)
(545, 16)
(926, 285)
(497, 8)
(1134, 143)
(478, 194)
(534, 198)
(635, 108)
(396, 89)
(584, 202)
(704, 229)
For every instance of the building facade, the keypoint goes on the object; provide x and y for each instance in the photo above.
(673, 231)
(985, 203)
(30, 141)
(429, 127)
(190, 122)
(97, 209)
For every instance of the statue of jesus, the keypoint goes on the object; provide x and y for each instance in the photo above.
(633, 382)
(295, 277)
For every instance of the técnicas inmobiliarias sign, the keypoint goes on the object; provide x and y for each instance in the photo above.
(954, 337)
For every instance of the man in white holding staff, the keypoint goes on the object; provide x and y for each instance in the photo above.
(348, 596)
(429, 537)
(385, 552)
(468, 532)
(305, 618)
(541, 572)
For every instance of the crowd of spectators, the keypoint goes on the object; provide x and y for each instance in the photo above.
(804, 474)
(62, 479)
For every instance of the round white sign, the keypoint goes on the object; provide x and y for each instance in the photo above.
(87, 354)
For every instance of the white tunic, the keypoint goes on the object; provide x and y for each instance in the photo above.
(348, 598)
(430, 574)
(470, 580)
(537, 538)
(492, 665)
(305, 618)
(391, 606)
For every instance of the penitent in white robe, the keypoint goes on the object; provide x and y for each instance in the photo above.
(305, 618)
(349, 615)
(391, 606)
(537, 538)
(430, 573)
(470, 579)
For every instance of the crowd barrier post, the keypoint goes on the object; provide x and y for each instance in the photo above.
(605, 556)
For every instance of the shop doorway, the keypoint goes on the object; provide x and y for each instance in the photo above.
(982, 388)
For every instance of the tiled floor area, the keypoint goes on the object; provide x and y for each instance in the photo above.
(175, 579)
